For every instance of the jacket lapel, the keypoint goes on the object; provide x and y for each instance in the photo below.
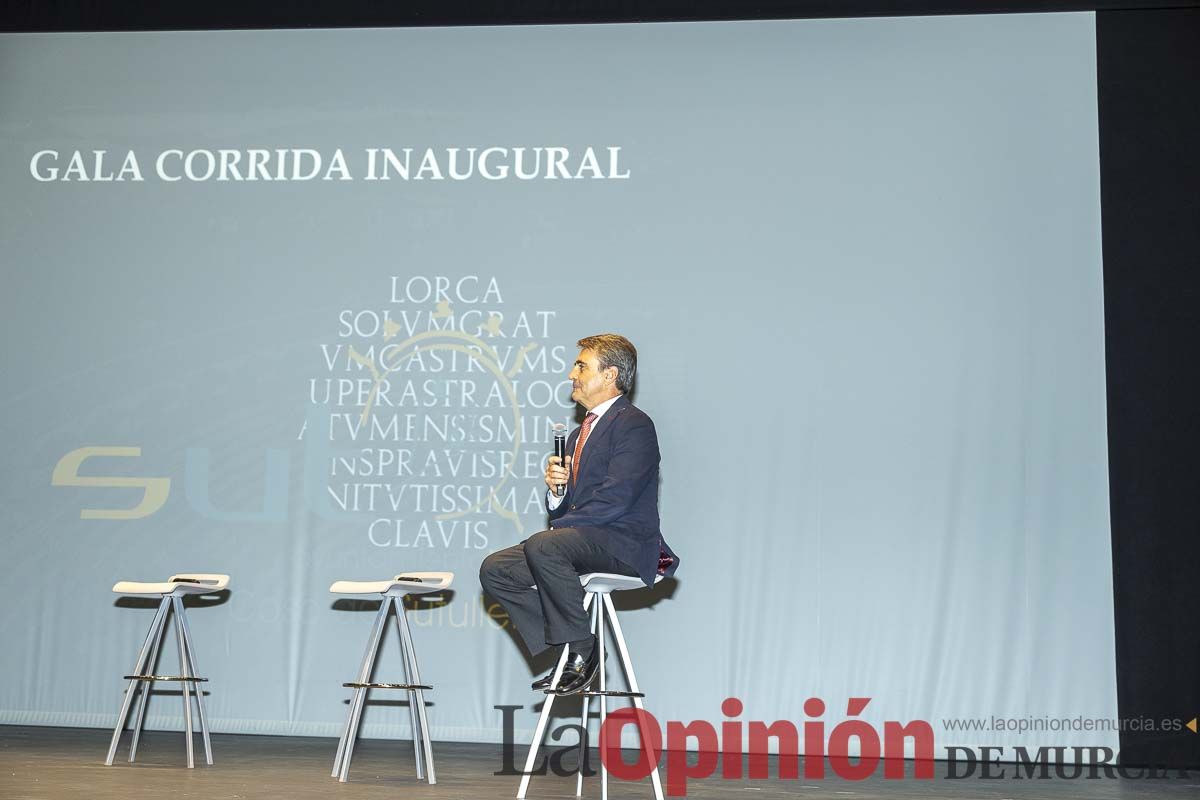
(599, 435)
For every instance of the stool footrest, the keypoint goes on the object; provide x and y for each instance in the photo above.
(597, 693)
(611, 693)
(181, 678)
(409, 686)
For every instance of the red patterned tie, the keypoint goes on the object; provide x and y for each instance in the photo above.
(583, 434)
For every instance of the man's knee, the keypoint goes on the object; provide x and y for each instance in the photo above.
(544, 546)
(489, 571)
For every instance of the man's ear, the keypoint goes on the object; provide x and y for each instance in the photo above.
(611, 374)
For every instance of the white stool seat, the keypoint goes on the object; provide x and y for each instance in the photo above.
(604, 582)
(178, 585)
(402, 584)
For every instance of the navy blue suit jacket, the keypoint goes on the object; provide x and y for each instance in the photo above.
(613, 500)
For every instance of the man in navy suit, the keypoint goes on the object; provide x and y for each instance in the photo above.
(606, 522)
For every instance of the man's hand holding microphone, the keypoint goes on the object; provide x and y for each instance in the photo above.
(558, 472)
(558, 467)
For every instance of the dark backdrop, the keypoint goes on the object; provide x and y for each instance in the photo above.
(1149, 84)
(1149, 99)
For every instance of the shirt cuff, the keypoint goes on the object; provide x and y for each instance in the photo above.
(552, 500)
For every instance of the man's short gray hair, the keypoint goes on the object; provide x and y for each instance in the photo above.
(614, 350)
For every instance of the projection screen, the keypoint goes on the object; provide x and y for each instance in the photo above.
(298, 306)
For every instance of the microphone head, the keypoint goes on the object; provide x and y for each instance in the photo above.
(560, 440)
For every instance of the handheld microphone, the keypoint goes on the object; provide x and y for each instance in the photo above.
(560, 450)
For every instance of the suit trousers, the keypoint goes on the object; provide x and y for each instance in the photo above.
(537, 582)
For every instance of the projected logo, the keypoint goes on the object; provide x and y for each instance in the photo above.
(428, 424)
(437, 410)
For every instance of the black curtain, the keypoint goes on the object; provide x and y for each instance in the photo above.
(1149, 95)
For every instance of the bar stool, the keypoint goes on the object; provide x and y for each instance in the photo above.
(597, 587)
(393, 592)
(172, 592)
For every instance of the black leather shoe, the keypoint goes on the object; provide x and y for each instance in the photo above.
(579, 672)
(543, 683)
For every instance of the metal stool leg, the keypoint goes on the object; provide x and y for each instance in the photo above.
(138, 666)
(600, 636)
(376, 632)
(544, 717)
(181, 621)
(627, 664)
(360, 694)
(406, 638)
(147, 687)
(185, 691)
(583, 727)
(412, 694)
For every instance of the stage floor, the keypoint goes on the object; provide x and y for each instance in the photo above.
(64, 763)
